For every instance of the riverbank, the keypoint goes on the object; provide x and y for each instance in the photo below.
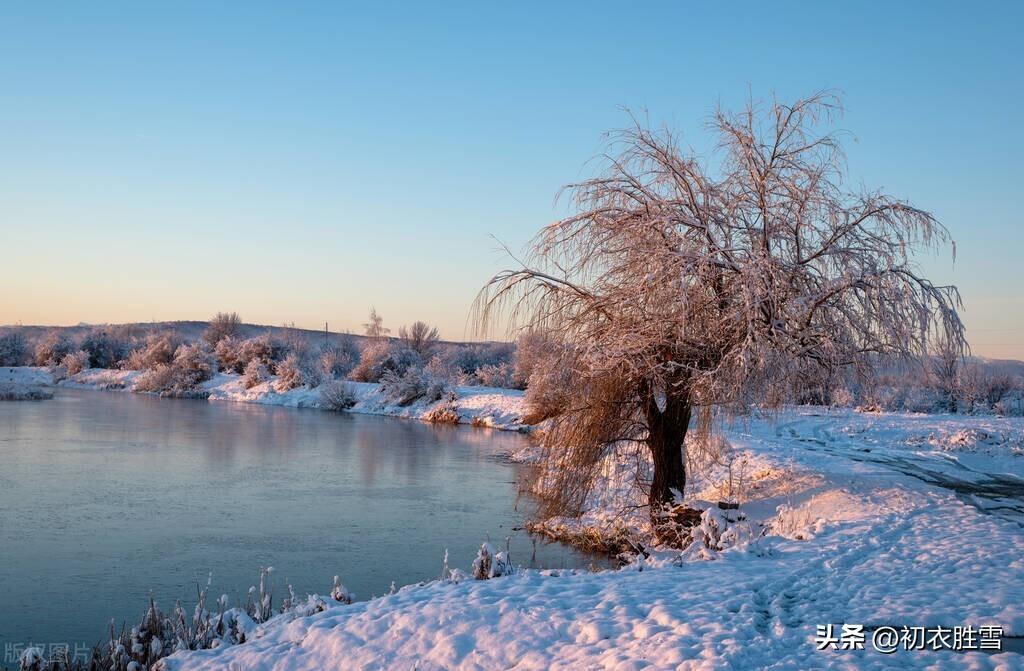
(829, 538)
(880, 520)
(486, 407)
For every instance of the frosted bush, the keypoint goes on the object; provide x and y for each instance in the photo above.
(106, 349)
(192, 365)
(13, 349)
(462, 363)
(496, 375)
(337, 395)
(234, 355)
(446, 412)
(267, 349)
(1011, 404)
(290, 373)
(222, 325)
(340, 593)
(53, 347)
(229, 356)
(255, 373)
(336, 360)
(75, 362)
(412, 386)
(483, 561)
(380, 357)
(158, 349)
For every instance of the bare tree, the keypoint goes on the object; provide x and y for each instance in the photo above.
(223, 325)
(680, 285)
(374, 328)
(419, 337)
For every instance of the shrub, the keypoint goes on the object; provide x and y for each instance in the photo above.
(412, 386)
(229, 355)
(233, 355)
(53, 348)
(380, 357)
(192, 365)
(462, 363)
(13, 349)
(337, 395)
(105, 348)
(446, 412)
(496, 375)
(420, 337)
(222, 325)
(159, 348)
(75, 362)
(336, 360)
(290, 373)
(255, 373)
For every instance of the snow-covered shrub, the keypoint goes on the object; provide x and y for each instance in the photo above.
(340, 593)
(290, 373)
(222, 325)
(75, 362)
(483, 561)
(336, 360)
(255, 373)
(159, 348)
(195, 364)
(461, 363)
(723, 529)
(106, 348)
(446, 412)
(337, 395)
(382, 356)
(1011, 404)
(420, 337)
(229, 355)
(192, 365)
(412, 386)
(489, 564)
(496, 375)
(13, 349)
(53, 347)
(267, 349)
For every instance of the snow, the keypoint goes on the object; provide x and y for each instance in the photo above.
(482, 406)
(846, 540)
(874, 519)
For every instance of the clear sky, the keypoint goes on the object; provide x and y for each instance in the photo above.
(300, 162)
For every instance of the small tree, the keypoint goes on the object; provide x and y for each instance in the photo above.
(223, 325)
(13, 349)
(679, 286)
(374, 328)
(420, 337)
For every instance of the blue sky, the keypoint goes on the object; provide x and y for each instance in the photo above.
(302, 162)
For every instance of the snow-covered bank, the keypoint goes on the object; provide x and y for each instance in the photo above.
(841, 541)
(16, 385)
(479, 406)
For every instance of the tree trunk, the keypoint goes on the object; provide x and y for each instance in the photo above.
(666, 431)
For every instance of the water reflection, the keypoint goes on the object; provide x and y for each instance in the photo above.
(108, 497)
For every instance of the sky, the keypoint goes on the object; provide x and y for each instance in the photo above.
(302, 162)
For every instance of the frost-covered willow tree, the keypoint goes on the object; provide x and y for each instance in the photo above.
(680, 285)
